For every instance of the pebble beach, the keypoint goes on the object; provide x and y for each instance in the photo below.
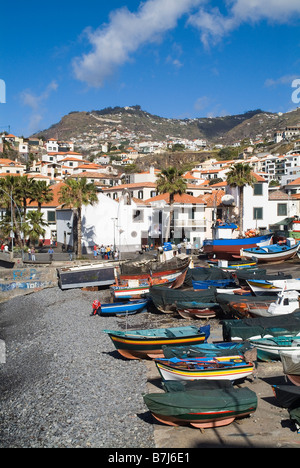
(63, 384)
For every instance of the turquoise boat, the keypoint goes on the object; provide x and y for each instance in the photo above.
(147, 343)
(268, 349)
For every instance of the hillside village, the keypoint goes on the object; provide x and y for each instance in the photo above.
(130, 212)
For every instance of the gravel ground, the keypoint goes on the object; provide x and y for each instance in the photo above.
(63, 383)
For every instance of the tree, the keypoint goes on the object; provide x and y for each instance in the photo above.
(78, 193)
(9, 189)
(170, 181)
(41, 193)
(34, 227)
(239, 176)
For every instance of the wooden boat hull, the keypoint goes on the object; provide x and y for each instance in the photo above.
(268, 349)
(230, 248)
(169, 370)
(261, 287)
(133, 346)
(291, 365)
(101, 274)
(197, 313)
(123, 308)
(269, 254)
(210, 409)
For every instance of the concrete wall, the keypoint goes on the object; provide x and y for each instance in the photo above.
(17, 282)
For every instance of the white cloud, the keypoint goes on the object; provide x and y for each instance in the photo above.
(36, 102)
(282, 80)
(214, 25)
(114, 44)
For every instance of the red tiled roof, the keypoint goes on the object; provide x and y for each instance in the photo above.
(183, 199)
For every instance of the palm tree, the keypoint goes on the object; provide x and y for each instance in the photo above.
(34, 227)
(26, 188)
(41, 193)
(170, 181)
(78, 193)
(239, 176)
(9, 189)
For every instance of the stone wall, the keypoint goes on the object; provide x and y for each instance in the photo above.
(20, 281)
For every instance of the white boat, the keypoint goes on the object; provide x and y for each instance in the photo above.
(287, 302)
(291, 365)
(87, 275)
(274, 253)
(260, 286)
(269, 348)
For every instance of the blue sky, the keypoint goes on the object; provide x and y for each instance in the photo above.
(175, 58)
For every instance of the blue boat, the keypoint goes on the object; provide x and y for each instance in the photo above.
(120, 308)
(224, 246)
(275, 253)
(217, 283)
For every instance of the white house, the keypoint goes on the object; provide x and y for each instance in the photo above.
(108, 222)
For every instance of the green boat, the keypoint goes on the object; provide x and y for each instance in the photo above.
(136, 344)
(201, 406)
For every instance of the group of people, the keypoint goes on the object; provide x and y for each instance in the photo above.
(106, 253)
(31, 254)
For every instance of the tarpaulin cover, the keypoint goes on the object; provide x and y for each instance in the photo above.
(187, 385)
(207, 349)
(290, 362)
(193, 401)
(275, 326)
(244, 275)
(224, 300)
(149, 266)
(163, 296)
(203, 274)
(288, 396)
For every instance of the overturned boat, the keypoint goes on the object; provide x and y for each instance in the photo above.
(201, 404)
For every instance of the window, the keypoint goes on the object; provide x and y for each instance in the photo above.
(140, 194)
(281, 209)
(257, 213)
(257, 189)
(51, 216)
(138, 216)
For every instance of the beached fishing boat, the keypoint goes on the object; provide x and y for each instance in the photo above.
(218, 367)
(259, 327)
(165, 299)
(120, 308)
(269, 348)
(260, 287)
(275, 253)
(196, 310)
(201, 406)
(135, 344)
(232, 266)
(210, 349)
(218, 283)
(286, 303)
(291, 365)
(87, 275)
(154, 269)
(225, 245)
(288, 396)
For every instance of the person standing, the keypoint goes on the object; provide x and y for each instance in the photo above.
(50, 252)
(33, 254)
(179, 248)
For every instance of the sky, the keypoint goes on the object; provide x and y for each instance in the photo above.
(175, 58)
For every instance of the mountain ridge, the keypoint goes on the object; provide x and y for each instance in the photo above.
(133, 123)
